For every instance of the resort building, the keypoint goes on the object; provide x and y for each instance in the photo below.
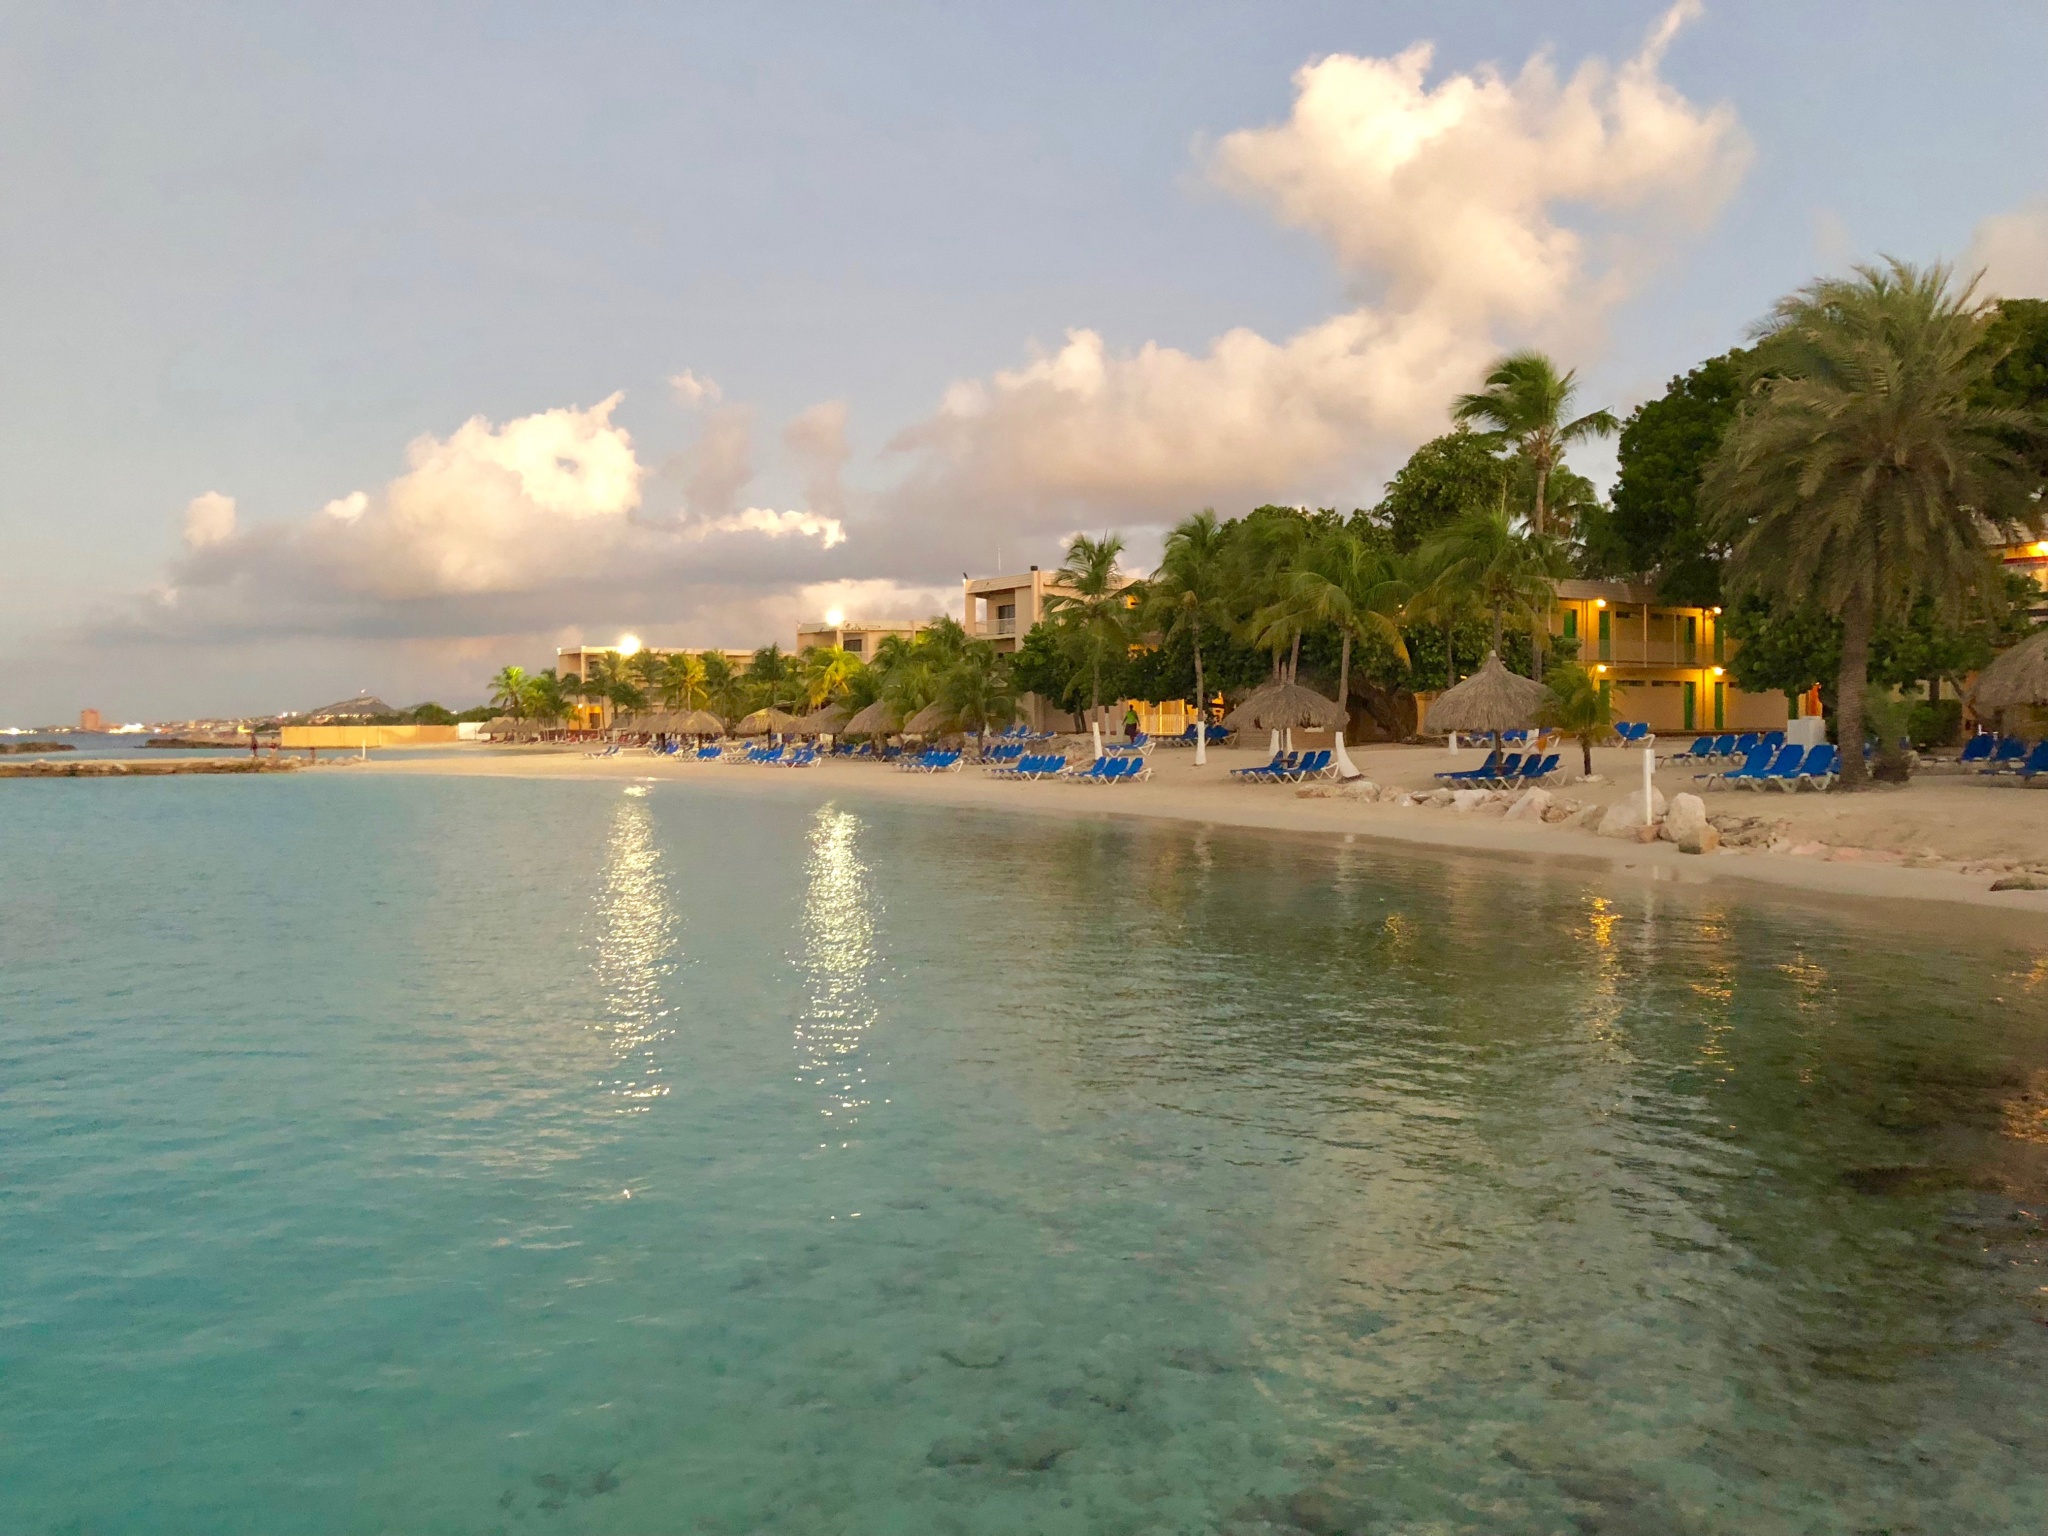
(855, 639)
(575, 660)
(1663, 663)
(1002, 609)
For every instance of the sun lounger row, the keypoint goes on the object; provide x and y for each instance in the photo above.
(1216, 736)
(1729, 748)
(930, 762)
(1634, 733)
(1288, 768)
(1788, 768)
(779, 757)
(1108, 770)
(2011, 755)
(1514, 768)
(1031, 765)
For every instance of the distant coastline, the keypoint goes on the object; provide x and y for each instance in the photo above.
(7, 747)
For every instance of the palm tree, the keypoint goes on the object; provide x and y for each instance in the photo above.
(827, 670)
(1525, 401)
(1188, 589)
(682, 684)
(1579, 709)
(512, 689)
(1342, 581)
(976, 690)
(1482, 558)
(725, 692)
(772, 677)
(549, 696)
(1263, 551)
(1092, 615)
(1860, 474)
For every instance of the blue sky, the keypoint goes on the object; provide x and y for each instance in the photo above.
(259, 251)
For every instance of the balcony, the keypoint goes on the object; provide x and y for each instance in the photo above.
(1634, 651)
(1003, 627)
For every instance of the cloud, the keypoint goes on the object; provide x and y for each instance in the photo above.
(2011, 249)
(691, 391)
(493, 529)
(209, 519)
(817, 440)
(1444, 207)
(827, 530)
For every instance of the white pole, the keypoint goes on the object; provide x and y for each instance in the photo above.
(1095, 729)
(1201, 739)
(1649, 768)
(1454, 743)
(1275, 746)
(1290, 738)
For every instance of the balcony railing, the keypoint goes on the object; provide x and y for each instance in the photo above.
(1003, 627)
(1637, 652)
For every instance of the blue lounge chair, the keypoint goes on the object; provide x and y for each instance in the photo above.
(2037, 760)
(1467, 775)
(1699, 752)
(1784, 770)
(1978, 747)
(1094, 773)
(1505, 770)
(1539, 768)
(1752, 767)
(1312, 765)
(1246, 775)
(1819, 772)
(2006, 756)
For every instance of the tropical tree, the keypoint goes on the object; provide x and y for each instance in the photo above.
(725, 691)
(1092, 616)
(1483, 561)
(1526, 401)
(826, 671)
(1862, 473)
(1444, 479)
(773, 678)
(976, 691)
(1189, 588)
(512, 690)
(1345, 582)
(682, 683)
(1579, 708)
(549, 696)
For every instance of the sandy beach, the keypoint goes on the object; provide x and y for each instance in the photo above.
(1943, 838)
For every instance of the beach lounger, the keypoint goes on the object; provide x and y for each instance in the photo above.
(1467, 775)
(1699, 752)
(1752, 767)
(2036, 760)
(1539, 768)
(2007, 756)
(1978, 748)
(1263, 770)
(1783, 772)
(1819, 772)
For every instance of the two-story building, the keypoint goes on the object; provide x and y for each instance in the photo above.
(1664, 663)
(856, 639)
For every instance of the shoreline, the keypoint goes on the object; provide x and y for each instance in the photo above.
(1180, 793)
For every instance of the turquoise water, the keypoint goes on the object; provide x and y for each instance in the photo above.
(467, 1155)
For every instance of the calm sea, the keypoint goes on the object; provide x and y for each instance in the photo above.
(436, 1155)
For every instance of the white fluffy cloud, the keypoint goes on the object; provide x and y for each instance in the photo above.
(692, 391)
(209, 519)
(1446, 201)
(2011, 249)
(493, 526)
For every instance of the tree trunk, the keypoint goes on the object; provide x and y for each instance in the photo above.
(1542, 490)
(1294, 661)
(1850, 683)
(1586, 756)
(1499, 619)
(1201, 694)
(1450, 657)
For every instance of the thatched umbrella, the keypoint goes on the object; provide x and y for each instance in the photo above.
(878, 719)
(2020, 676)
(928, 721)
(1282, 707)
(1490, 700)
(827, 721)
(698, 722)
(763, 721)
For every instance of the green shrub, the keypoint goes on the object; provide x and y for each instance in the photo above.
(1935, 724)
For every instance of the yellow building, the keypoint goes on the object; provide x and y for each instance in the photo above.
(575, 661)
(1002, 609)
(854, 638)
(1664, 663)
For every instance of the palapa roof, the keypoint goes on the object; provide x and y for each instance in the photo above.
(1285, 706)
(826, 721)
(698, 722)
(878, 719)
(932, 718)
(762, 721)
(2020, 676)
(1491, 699)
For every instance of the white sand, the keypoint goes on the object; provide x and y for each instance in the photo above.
(1854, 846)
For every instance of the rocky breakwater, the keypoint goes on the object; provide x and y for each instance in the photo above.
(9, 748)
(123, 768)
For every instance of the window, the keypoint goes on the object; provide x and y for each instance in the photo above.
(1006, 611)
(855, 644)
(1571, 623)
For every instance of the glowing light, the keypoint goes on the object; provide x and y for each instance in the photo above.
(1599, 602)
(836, 617)
(1717, 610)
(1601, 668)
(629, 645)
(1717, 671)
(2041, 549)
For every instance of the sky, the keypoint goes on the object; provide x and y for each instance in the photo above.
(374, 347)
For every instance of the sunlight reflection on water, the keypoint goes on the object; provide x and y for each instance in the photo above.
(635, 936)
(839, 955)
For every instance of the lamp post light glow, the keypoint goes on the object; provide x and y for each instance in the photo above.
(836, 617)
(629, 645)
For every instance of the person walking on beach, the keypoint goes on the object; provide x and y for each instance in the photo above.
(1130, 722)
